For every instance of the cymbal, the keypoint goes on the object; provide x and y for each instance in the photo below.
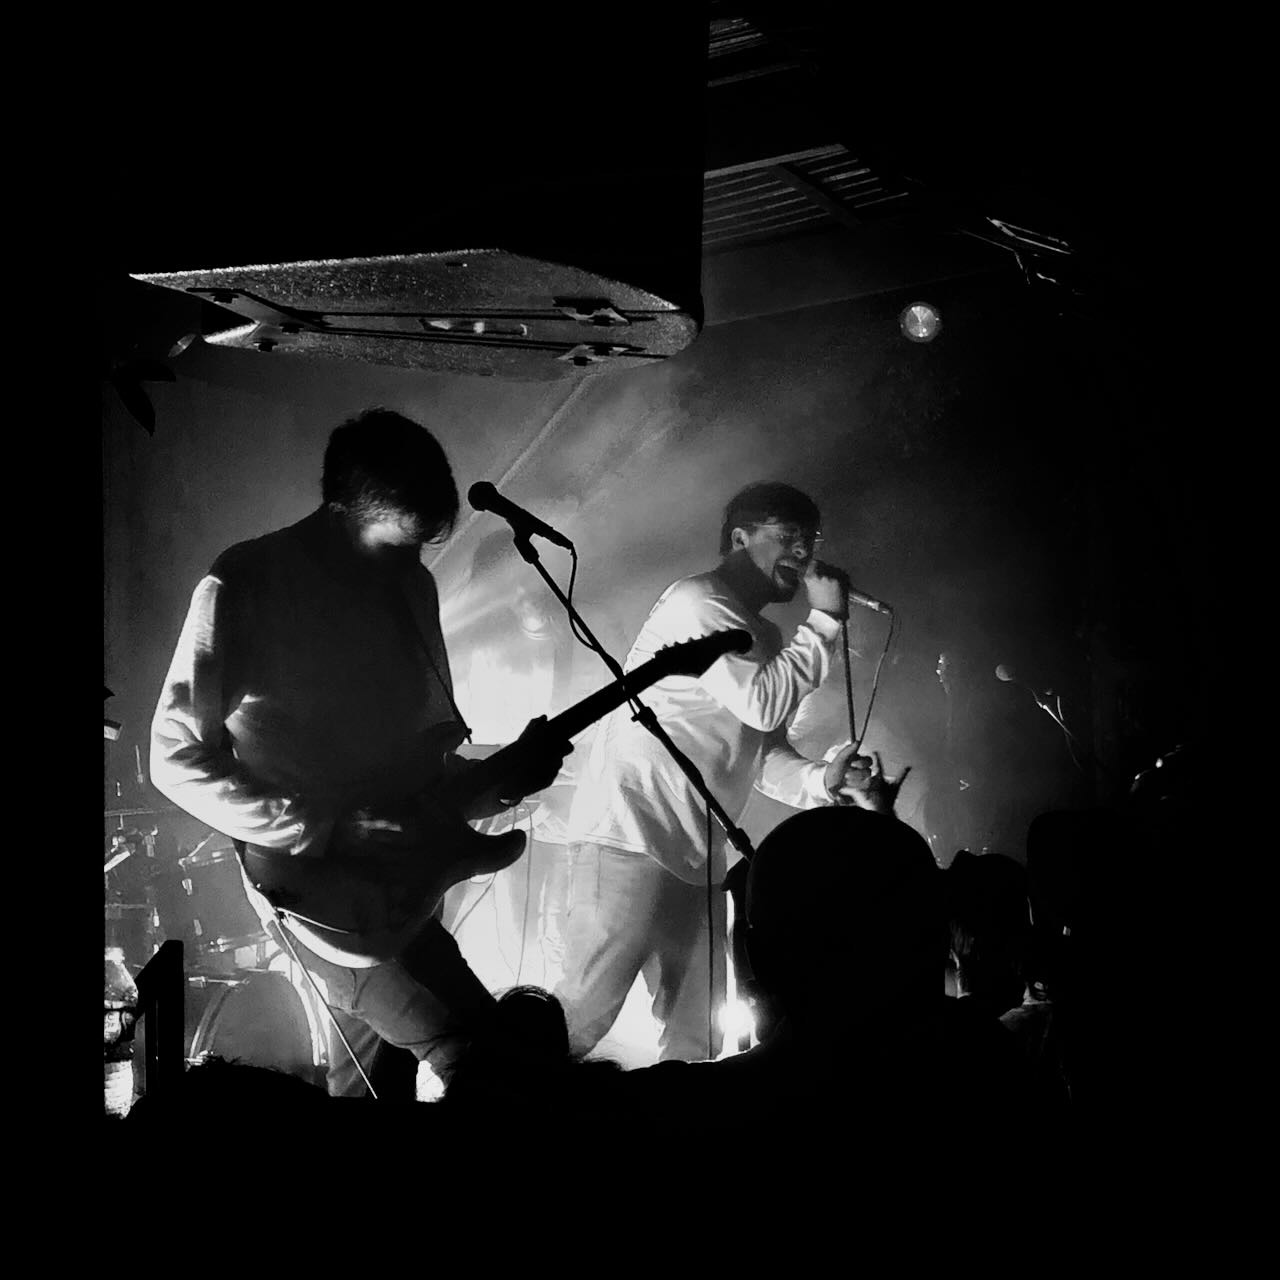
(141, 813)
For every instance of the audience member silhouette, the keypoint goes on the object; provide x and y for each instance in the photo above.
(218, 1089)
(989, 927)
(847, 928)
(1099, 883)
(523, 1063)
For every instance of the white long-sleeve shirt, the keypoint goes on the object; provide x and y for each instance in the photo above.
(300, 684)
(731, 722)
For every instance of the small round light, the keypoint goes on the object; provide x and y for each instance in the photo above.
(920, 322)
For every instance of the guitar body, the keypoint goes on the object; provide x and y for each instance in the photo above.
(362, 908)
(364, 900)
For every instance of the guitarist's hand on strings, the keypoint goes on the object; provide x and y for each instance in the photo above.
(528, 765)
(861, 780)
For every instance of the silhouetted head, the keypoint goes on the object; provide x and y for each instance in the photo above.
(989, 924)
(520, 1054)
(381, 468)
(773, 528)
(845, 914)
(218, 1088)
(535, 1019)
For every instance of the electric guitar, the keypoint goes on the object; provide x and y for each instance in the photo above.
(364, 901)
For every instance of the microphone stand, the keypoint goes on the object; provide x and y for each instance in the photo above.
(1101, 767)
(643, 714)
(1042, 701)
(848, 679)
(735, 881)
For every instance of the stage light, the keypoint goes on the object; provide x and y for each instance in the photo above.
(920, 322)
(736, 1019)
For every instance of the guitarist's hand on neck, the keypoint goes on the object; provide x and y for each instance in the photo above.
(528, 765)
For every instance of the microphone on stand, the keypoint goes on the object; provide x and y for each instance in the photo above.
(484, 497)
(1010, 676)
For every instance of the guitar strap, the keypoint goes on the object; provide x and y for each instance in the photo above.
(402, 606)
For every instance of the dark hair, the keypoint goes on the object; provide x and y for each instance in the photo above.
(239, 1088)
(768, 500)
(986, 903)
(535, 1017)
(989, 924)
(380, 459)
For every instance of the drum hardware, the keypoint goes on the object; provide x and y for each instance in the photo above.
(254, 1018)
(141, 813)
(225, 931)
(131, 925)
(124, 844)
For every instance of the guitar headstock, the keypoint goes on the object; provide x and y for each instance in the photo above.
(693, 657)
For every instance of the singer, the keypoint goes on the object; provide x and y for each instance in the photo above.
(639, 838)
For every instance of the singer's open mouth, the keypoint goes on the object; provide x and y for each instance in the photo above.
(789, 574)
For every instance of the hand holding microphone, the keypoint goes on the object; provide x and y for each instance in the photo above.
(825, 586)
(829, 590)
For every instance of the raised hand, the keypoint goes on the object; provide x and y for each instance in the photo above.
(861, 780)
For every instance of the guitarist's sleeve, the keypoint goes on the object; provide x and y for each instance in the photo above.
(191, 759)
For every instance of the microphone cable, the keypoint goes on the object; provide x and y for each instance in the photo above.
(875, 679)
(283, 931)
(497, 918)
(346, 1044)
(711, 949)
(478, 900)
(528, 891)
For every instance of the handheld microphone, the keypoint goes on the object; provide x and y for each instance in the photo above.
(484, 497)
(852, 595)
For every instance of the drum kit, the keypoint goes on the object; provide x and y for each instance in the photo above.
(247, 999)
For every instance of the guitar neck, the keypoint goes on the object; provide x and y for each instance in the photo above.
(582, 715)
(688, 658)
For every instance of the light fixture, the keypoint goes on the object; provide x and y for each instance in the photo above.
(920, 322)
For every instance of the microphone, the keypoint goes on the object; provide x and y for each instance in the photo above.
(852, 595)
(484, 497)
(1010, 676)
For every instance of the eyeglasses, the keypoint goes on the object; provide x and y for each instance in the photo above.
(792, 535)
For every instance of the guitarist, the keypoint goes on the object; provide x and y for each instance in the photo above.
(309, 697)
